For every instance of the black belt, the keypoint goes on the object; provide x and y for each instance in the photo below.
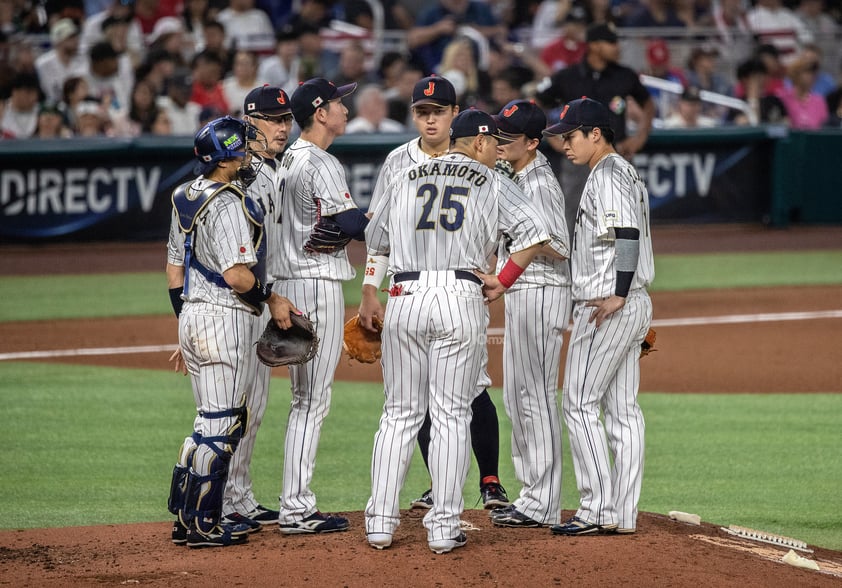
(460, 275)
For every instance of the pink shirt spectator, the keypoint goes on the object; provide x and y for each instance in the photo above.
(805, 113)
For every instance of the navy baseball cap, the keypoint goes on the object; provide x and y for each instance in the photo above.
(311, 94)
(267, 101)
(521, 117)
(583, 112)
(434, 90)
(473, 122)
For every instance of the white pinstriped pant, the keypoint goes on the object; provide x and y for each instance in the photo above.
(603, 372)
(239, 495)
(535, 321)
(312, 385)
(433, 342)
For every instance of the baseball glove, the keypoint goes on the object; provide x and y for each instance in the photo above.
(360, 343)
(648, 345)
(297, 344)
(327, 235)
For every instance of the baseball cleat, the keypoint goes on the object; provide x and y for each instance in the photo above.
(446, 545)
(426, 500)
(179, 532)
(379, 540)
(219, 536)
(513, 518)
(315, 523)
(493, 495)
(576, 526)
(263, 515)
(236, 518)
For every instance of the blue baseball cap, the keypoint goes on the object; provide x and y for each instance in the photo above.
(311, 94)
(434, 90)
(521, 117)
(267, 101)
(583, 112)
(473, 122)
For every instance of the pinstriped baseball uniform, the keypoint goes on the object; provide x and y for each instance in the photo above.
(537, 312)
(215, 328)
(441, 215)
(399, 159)
(602, 369)
(239, 495)
(312, 181)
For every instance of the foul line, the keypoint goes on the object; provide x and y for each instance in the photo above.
(494, 332)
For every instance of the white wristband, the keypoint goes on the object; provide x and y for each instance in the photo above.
(375, 270)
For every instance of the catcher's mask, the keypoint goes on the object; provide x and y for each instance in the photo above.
(222, 139)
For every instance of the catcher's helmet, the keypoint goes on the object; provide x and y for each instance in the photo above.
(221, 139)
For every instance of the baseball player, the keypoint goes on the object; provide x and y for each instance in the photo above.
(537, 312)
(313, 187)
(433, 109)
(267, 108)
(612, 264)
(214, 265)
(437, 221)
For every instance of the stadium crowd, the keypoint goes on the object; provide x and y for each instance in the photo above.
(122, 68)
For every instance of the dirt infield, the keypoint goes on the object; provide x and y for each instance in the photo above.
(761, 357)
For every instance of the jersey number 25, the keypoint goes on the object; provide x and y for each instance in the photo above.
(452, 211)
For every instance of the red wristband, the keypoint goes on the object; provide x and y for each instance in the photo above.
(509, 274)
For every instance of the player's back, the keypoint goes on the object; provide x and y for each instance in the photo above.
(443, 215)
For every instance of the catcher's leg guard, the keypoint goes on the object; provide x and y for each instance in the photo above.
(178, 485)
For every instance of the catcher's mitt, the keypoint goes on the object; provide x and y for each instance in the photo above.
(360, 343)
(297, 344)
(648, 345)
(327, 235)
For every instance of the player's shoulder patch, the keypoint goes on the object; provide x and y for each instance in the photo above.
(611, 217)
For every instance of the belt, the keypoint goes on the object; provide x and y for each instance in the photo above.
(460, 275)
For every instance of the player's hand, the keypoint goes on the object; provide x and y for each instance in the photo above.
(371, 310)
(178, 359)
(280, 308)
(492, 289)
(604, 308)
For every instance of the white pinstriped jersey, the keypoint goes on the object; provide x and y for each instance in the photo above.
(539, 184)
(614, 196)
(398, 160)
(222, 238)
(264, 190)
(449, 213)
(310, 178)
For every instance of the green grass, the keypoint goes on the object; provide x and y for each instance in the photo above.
(106, 295)
(85, 445)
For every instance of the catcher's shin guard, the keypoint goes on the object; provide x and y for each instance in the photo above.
(178, 488)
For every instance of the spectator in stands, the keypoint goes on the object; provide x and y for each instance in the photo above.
(110, 76)
(399, 97)
(806, 110)
(51, 124)
(241, 80)
(131, 121)
(278, 11)
(655, 13)
(161, 124)
(688, 112)
(731, 20)
(20, 116)
(439, 24)
(694, 13)
(764, 107)
(194, 16)
(207, 114)
(703, 73)
(825, 83)
(283, 68)
(215, 43)
(169, 35)
(92, 32)
(815, 17)
(398, 15)
(775, 24)
(73, 91)
(659, 65)
(549, 17)
(156, 69)
(570, 46)
(92, 119)
(609, 12)
(775, 69)
(312, 14)
(62, 61)
(392, 65)
(504, 88)
(458, 65)
(372, 111)
(182, 112)
(247, 27)
(115, 32)
(207, 71)
(315, 59)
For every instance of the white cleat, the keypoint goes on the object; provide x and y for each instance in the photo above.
(379, 540)
(447, 545)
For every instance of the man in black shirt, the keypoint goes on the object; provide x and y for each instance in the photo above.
(600, 77)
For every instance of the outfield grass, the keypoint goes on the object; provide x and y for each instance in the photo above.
(85, 445)
(108, 295)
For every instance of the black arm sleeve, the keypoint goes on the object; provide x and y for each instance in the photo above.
(352, 222)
